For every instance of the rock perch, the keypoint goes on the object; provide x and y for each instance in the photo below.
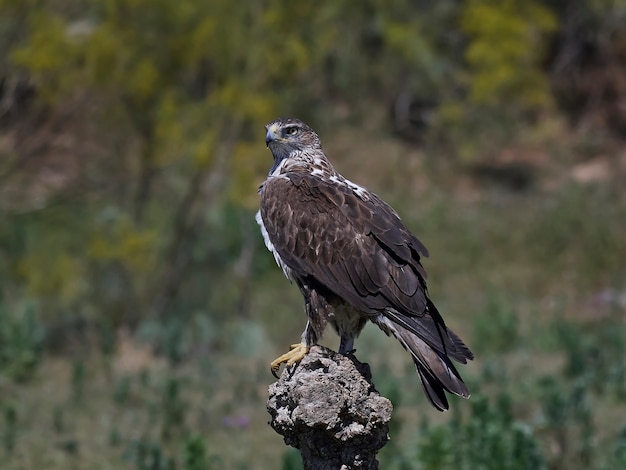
(329, 409)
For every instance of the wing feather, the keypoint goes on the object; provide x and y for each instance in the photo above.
(357, 247)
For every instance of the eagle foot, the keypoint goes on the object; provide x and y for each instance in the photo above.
(296, 354)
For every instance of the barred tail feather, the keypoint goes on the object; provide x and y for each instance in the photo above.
(436, 372)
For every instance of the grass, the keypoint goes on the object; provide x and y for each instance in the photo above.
(531, 280)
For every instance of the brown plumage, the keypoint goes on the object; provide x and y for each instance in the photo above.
(352, 258)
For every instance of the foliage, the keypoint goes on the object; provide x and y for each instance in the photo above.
(10, 427)
(495, 328)
(21, 341)
(198, 375)
(174, 93)
(487, 433)
(490, 439)
(506, 52)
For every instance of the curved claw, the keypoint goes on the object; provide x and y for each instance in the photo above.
(295, 355)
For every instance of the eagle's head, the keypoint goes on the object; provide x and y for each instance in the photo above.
(288, 137)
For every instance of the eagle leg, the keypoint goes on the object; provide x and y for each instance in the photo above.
(295, 355)
(346, 346)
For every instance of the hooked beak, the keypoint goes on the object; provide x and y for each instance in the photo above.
(272, 134)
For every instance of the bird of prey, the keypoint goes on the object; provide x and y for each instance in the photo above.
(353, 260)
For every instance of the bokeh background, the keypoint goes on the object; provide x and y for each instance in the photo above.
(139, 309)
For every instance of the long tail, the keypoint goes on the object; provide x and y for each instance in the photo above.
(436, 372)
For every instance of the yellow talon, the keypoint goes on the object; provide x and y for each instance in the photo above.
(295, 354)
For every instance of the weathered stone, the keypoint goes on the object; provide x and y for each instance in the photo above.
(328, 408)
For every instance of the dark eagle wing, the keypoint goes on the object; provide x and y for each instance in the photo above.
(358, 248)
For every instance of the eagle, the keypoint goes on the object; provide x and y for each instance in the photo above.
(353, 260)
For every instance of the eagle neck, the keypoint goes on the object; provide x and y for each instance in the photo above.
(314, 163)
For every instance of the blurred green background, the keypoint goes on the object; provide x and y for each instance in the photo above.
(139, 309)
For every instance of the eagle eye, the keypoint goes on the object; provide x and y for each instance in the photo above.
(291, 130)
